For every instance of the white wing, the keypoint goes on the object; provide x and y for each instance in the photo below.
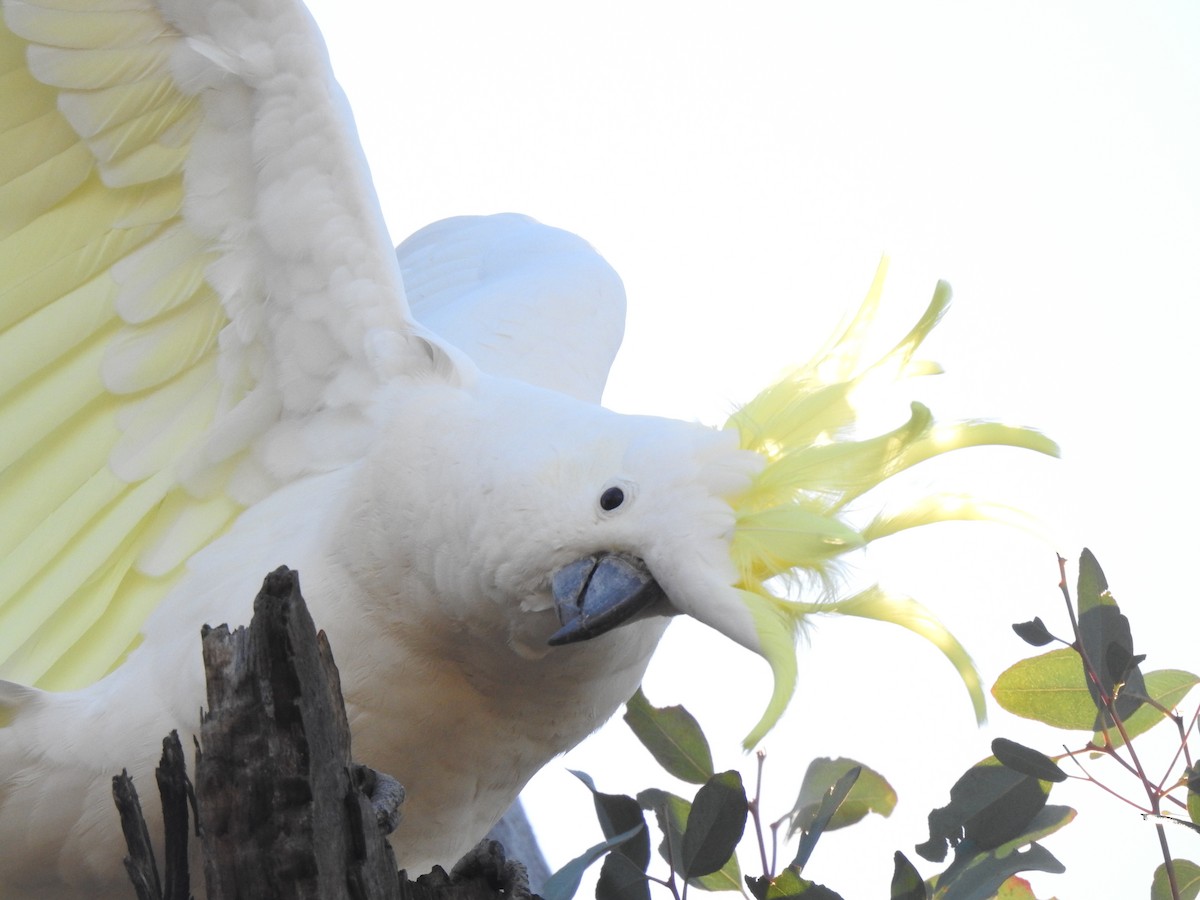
(199, 300)
(521, 299)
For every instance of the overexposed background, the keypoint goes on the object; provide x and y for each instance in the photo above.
(743, 167)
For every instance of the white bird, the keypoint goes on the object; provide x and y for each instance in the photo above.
(209, 367)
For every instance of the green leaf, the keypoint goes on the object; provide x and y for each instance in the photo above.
(829, 806)
(672, 813)
(869, 793)
(1106, 639)
(1026, 760)
(621, 879)
(1050, 688)
(789, 884)
(989, 805)
(1050, 818)
(1167, 687)
(619, 813)
(727, 878)
(1015, 888)
(563, 884)
(673, 737)
(979, 876)
(715, 825)
(1193, 794)
(1034, 633)
(1187, 876)
(906, 880)
(1107, 644)
(1092, 588)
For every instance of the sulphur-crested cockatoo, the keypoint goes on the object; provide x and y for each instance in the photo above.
(209, 367)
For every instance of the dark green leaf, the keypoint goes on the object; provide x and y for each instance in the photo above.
(1187, 876)
(1092, 587)
(715, 825)
(829, 806)
(978, 876)
(989, 805)
(1034, 633)
(1050, 818)
(906, 880)
(869, 793)
(1108, 644)
(673, 813)
(563, 884)
(673, 736)
(1026, 760)
(621, 879)
(1167, 688)
(1193, 794)
(788, 884)
(618, 813)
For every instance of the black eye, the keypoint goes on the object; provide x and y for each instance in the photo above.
(611, 498)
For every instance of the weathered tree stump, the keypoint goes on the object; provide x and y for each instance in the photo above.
(283, 814)
(282, 811)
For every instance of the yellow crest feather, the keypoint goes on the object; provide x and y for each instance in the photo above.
(791, 519)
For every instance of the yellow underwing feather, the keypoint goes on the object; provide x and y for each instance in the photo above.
(105, 326)
(792, 520)
(159, 335)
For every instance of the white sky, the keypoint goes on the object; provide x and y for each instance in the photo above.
(743, 168)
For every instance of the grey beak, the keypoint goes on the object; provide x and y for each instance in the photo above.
(595, 594)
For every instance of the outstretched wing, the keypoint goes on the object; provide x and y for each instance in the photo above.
(198, 299)
(521, 299)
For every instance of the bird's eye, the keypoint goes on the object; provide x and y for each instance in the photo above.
(611, 499)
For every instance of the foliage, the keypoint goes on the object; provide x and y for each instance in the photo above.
(998, 810)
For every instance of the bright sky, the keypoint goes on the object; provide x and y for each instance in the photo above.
(743, 171)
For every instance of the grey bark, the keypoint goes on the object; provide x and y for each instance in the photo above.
(281, 809)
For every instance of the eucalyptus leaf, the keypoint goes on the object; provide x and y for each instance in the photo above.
(1193, 794)
(1026, 760)
(1050, 688)
(1108, 644)
(1187, 876)
(869, 793)
(979, 876)
(1034, 633)
(789, 884)
(1050, 818)
(563, 884)
(989, 805)
(1015, 888)
(618, 813)
(621, 879)
(1167, 687)
(715, 825)
(672, 813)
(907, 883)
(1091, 590)
(832, 800)
(673, 737)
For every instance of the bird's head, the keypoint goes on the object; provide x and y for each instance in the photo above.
(565, 521)
(744, 553)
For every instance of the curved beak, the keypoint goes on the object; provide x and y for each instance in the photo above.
(595, 594)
